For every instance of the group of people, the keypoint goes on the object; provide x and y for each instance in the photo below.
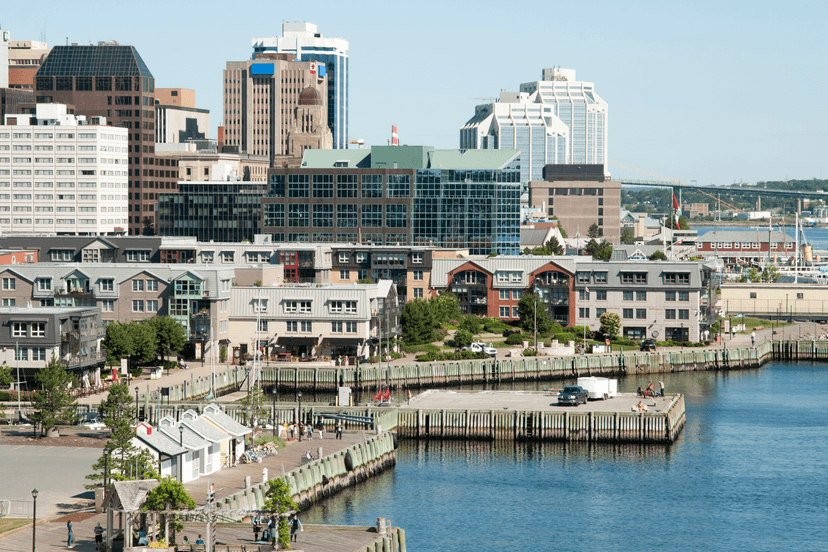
(271, 531)
(300, 430)
(650, 391)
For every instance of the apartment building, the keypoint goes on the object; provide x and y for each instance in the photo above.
(62, 174)
(25, 58)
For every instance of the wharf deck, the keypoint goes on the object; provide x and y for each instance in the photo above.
(528, 400)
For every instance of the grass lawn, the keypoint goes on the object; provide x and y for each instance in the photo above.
(751, 323)
(7, 524)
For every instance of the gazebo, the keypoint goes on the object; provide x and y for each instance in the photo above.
(126, 498)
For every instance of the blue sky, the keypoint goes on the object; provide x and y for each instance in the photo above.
(715, 92)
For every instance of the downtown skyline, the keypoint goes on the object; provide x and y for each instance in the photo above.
(694, 91)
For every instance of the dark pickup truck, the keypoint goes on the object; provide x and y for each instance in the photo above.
(573, 394)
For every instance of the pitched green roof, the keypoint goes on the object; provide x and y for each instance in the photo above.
(409, 157)
(321, 159)
(472, 159)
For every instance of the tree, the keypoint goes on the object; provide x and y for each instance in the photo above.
(462, 338)
(471, 324)
(254, 406)
(444, 307)
(658, 255)
(149, 226)
(417, 322)
(169, 494)
(627, 236)
(169, 334)
(554, 247)
(53, 403)
(770, 274)
(526, 310)
(125, 461)
(610, 324)
(593, 231)
(279, 501)
(6, 376)
(562, 231)
(601, 251)
(118, 342)
(144, 342)
(683, 223)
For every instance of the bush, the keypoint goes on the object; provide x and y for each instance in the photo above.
(449, 355)
(5, 396)
(510, 331)
(395, 355)
(564, 337)
(530, 352)
(427, 347)
(472, 324)
(515, 339)
(263, 438)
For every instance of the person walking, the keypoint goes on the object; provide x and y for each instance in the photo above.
(71, 537)
(321, 427)
(98, 536)
(310, 432)
(661, 387)
(301, 431)
(295, 527)
(339, 429)
(752, 338)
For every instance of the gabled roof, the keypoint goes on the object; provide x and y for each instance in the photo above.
(202, 428)
(190, 439)
(162, 443)
(216, 415)
(129, 495)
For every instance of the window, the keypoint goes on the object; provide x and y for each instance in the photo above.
(21, 354)
(336, 327)
(670, 314)
(44, 284)
(418, 275)
(504, 294)
(260, 305)
(583, 295)
(677, 278)
(297, 306)
(599, 312)
(298, 186)
(633, 277)
(640, 295)
(108, 305)
(137, 285)
(207, 257)
(152, 285)
(344, 257)
(504, 312)
(641, 314)
(347, 186)
(350, 327)
(262, 326)
(417, 258)
(600, 277)
(684, 314)
(627, 313)
(350, 307)
(361, 258)
(137, 306)
(627, 295)
(583, 277)
(583, 313)
(38, 353)
(684, 296)
(669, 295)
(38, 329)
(9, 302)
(19, 329)
(372, 186)
(323, 215)
(9, 283)
(323, 185)
(753, 295)
(306, 326)
(344, 274)
(601, 295)
(292, 326)
(517, 294)
(418, 293)
(515, 312)
(137, 256)
(152, 305)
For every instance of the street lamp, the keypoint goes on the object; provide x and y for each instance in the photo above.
(34, 520)
(106, 452)
(300, 406)
(275, 392)
(136, 403)
(180, 435)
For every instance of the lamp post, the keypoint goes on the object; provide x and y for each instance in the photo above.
(180, 435)
(300, 406)
(34, 520)
(275, 392)
(136, 403)
(106, 452)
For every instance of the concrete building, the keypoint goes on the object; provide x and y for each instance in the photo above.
(313, 321)
(25, 58)
(261, 101)
(695, 210)
(303, 42)
(196, 161)
(112, 81)
(776, 301)
(177, 97)
(62, 174)
(32, 335)
(579, 196)
(408, 195)
(177, 119)
(83, 249)
(557, 120)
(746, 246)
(4, 59)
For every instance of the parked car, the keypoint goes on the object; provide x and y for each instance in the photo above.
(573, 394)
(477, 347)
(91, 420)
(648, 344)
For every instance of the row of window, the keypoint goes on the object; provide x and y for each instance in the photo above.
(675, 278)
(37, 353)
(306, 326)
(348, 215)
(745, 245)
(28, 329)
(380, 258)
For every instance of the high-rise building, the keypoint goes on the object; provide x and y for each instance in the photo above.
(557, 120)
(4, 59)
(264, 97)
(25, 58)
(112, 81)
(303, 41)
(62, 174)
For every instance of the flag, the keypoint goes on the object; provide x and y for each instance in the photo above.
(676, 209)
(586, 290)
(387, 395)
(378, 396)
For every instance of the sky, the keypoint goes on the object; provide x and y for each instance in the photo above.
(712, 91)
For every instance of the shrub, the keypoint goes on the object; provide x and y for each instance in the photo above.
(263, 438)
(395, 355)
(530, 352)
(510, 331)
(5, 396)
(515, 339)
(471, 324)
(449, 355)
(427, 347)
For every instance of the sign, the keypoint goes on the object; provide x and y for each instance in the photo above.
(313, 68)
(606, 342)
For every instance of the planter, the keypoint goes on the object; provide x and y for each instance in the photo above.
(53, 432)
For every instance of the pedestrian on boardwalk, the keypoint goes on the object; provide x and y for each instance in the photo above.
(752, 338)
(293, 431)
(71, 538)
(661, 387)
(310, 432)
(301, 432)
(339, 429)
(295, 527)
(98, 536)
(321, 427)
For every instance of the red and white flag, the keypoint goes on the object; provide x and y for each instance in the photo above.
(676, 209)
(586, 289)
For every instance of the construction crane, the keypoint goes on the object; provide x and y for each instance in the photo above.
(359, 141)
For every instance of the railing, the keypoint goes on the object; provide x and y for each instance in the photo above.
(84, 360)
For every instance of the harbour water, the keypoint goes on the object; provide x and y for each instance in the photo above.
(748, 473)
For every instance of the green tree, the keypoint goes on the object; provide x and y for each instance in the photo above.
(169, 494)
(683, 223)
(254, 406)
(53, 403)
(118, 342)
(169, 334)
(462, 338)
(601, 251)
(562, 231)
(417, 322)
(279, 501)
(593, 230)
(770, 274)
(527, 306)
(144, 342)
(444, 307)
(126, 461)
(149, 226)
(471, 324)
(6, 376)
(627, 236)
(610, 324)
(658, 255)
(554, 247)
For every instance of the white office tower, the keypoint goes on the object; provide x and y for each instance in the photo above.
(4, 59)
(62, 174)
(301, 38)
(573, 118)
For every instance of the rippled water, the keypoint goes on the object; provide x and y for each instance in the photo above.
(747, 473)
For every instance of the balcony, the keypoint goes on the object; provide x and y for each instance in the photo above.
(82, 361)
(67, 337)
(479, 300)
(74, 292)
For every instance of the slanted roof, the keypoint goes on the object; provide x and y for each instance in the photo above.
(203, 428)
(94, 61)
(190, 439)
(326, 159)
(472, 159)
(162, 443)
(129, 496)
(217, 416)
